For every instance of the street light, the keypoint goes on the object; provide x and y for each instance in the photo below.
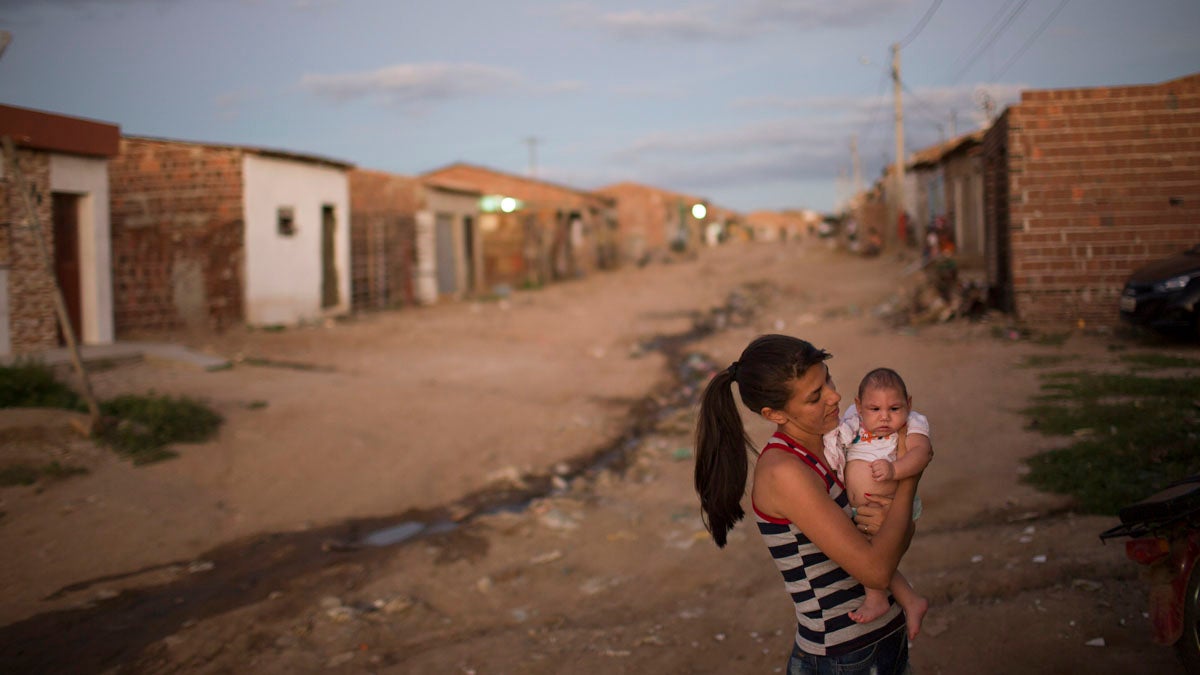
(699, 211)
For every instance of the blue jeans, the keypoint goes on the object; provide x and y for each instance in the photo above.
(888, 656)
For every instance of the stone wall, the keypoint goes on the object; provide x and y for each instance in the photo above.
(33, 323)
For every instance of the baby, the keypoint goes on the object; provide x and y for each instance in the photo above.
(864, 450)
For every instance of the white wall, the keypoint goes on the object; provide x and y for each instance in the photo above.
(88, 178)
(283, 273)
(459, 206)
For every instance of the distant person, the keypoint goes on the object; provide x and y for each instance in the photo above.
(801, 508)
(872, 243)
(864, 451)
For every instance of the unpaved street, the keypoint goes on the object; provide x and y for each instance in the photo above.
(532, 454)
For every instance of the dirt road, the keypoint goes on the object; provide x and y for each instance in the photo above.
(531, 457)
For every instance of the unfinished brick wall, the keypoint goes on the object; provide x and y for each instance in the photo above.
(1101, 181)
(383, 211)
(552, 207)
(648, 219)
(33, 322)
(177, 228)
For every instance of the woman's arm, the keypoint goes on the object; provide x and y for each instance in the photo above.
(787, 488)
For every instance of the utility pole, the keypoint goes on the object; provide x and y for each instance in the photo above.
(532, 141)
(856, 165)
(899, 172)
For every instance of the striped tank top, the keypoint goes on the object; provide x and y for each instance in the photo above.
(821, 590)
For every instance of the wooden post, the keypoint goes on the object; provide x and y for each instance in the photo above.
(60, 306)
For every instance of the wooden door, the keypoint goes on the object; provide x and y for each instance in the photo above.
(329, 277)
(65, 209)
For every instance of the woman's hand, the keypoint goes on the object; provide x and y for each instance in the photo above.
(870, 516)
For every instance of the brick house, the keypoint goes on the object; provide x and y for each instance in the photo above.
(1084, 185)
(653, 221)
(209, 236)
(555, 232)
(947, 183)
(412, 240)
(64, 162)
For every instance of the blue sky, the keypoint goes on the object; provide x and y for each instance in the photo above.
(751, 104)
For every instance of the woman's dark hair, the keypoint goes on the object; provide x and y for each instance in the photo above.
(764, 375)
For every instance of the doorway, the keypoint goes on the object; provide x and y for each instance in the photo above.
(65, 213)
(329, 276)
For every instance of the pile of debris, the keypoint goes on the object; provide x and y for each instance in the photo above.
(936, 293)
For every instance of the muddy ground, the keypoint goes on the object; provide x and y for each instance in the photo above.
(505, 487)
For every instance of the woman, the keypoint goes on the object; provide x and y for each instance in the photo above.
(801, 508)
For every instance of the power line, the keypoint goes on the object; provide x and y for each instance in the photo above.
(1032, 38)
(875, 114)
(995, 34)
(912, 35)
(932, 116)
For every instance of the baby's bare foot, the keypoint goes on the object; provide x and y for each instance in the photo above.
(914, 614)
(875, 604)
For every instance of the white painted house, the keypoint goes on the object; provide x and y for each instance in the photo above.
(209, 236)
(62, 163)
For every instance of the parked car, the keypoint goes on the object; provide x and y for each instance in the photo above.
(1165, 294)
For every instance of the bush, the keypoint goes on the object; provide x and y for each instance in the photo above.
(142, 426)
(32, 384)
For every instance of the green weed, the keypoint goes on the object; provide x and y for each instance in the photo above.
(1152, 360)
(1132, 435)
(145, 425)
(24, 474)
(32, 384)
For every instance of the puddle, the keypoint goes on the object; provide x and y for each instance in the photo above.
(106, 631)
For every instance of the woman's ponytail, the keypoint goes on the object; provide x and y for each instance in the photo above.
(721, 462)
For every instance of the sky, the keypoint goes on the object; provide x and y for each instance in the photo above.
(754, 104)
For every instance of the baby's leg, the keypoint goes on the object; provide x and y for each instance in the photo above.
(860, 482)
(913, 604)
(875, 604)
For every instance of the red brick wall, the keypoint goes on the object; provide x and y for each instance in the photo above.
(33, 324)
(1101, 181)
(648, 218)
(550, 206)
(176, 208)
(383, 211)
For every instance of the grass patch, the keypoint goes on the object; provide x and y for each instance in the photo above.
(1045, 360)
(32, 384)
(24, 474)
(146, 425)
(1152, 360)
(1132, 435)
(1051, 339)
(139, 427)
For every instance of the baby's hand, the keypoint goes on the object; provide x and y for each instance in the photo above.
(882, 470)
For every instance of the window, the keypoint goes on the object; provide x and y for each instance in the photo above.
(285, 221)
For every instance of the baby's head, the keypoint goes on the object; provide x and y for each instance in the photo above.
(883, 402)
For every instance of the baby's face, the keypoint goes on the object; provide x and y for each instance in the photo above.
(883, 410)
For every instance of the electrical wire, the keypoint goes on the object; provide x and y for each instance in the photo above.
(991, 40)
(912, 34)
(930, 113)
(871, 125)
(1020, 52)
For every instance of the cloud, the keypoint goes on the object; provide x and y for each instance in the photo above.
(731, 21)
(814, 14)
(413, 84)
(922, 104)
(677, 25)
